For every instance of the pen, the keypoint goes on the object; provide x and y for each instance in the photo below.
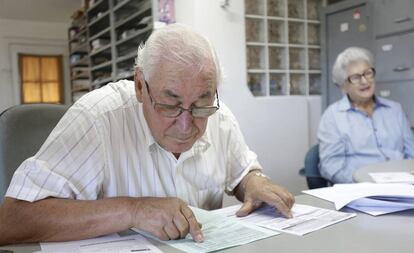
(139, 250)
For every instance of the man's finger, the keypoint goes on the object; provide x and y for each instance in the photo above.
(160, 234)
(274, 200)
(171, 230)
(245, 209)
(182, 225)
(195, 229)
(286, 197)
(291, 200)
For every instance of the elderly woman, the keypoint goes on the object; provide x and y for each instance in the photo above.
(361, 128)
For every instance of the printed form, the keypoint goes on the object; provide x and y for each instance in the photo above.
(105, 244)
(220, 232)
(305, 219)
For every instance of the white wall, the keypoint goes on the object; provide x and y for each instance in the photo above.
(279, 129)
(28, 37)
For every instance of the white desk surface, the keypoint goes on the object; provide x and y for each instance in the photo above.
(363, 233)
(362, 174)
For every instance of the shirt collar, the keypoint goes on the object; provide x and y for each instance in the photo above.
(150, 141)
(201, 145)
(379, 101)
(346, 105)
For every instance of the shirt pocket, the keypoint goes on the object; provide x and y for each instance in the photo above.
(209, 199)
(358, 143)
(204, 179)
(204, 188)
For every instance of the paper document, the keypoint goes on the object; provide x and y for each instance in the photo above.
(377, 207)
(220, 232)
(350, 192)
(371, 198)
(305, 219)
(392, 177)
(106, 244)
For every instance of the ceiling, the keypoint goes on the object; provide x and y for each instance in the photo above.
(39, 10)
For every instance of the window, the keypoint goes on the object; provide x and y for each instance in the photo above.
(283, 47)
(41, 79)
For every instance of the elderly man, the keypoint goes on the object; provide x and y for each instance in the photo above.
(361, 128)
(135, 154)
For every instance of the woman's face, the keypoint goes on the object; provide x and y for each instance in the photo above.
(360, 84)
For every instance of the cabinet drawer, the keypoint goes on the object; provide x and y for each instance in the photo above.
(395, 58)
(401, 92)
(393, 16)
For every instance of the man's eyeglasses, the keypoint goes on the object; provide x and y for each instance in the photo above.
(173, 111)
(368, 74)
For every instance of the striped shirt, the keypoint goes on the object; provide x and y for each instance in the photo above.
(102, 147)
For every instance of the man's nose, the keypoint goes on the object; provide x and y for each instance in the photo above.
(185, 121)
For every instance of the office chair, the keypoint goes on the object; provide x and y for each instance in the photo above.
(311, 170)
(23, 129)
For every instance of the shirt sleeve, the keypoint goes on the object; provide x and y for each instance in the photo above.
(68, 165)
(240, 159)
(408, 137)
(332, 149)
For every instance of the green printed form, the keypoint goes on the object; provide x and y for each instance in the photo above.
(220, 232)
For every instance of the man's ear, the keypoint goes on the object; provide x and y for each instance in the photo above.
(138, 85)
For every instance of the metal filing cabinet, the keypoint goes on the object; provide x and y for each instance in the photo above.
(395, 58)
(393, 16)
(344, 24)
(386, 28)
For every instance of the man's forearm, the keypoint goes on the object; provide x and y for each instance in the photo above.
(241, 187)
(62, 219)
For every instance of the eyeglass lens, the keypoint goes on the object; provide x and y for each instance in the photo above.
(357, 78)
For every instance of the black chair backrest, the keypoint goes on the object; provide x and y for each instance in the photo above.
(23, 129)
(313, 176)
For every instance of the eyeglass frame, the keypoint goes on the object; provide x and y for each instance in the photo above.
(362, 75)
(181, 109)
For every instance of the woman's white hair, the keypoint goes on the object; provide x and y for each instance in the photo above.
(183, 48)
(348, 56)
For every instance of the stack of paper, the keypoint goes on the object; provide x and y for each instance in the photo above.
(374, 199)
(392, 177)
(110, 243)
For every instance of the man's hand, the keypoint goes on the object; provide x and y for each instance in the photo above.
(166, 218)
(257, 190)
(55, 219)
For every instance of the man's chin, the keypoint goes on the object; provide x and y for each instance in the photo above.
(179, 147)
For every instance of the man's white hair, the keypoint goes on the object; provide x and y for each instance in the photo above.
(183, 48)
(348, 56)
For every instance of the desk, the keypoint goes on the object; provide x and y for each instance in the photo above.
(362, 174)
(363, 233)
